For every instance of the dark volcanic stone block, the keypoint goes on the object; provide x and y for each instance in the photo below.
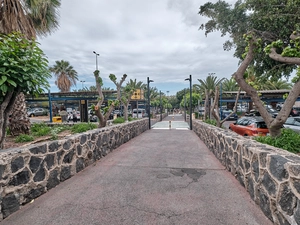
(53, 179)
(40, 175)
(17, 164)
(67, 145)
(53, 146)
(277, 169)
(264, 203)
(20, 178)
(39, 149)
(9, 205)
(79, 164)
(69, 157)
(287, 200)
(269, 184)
(83, 139)
(65, 173)
(49, 161)
(34, 163)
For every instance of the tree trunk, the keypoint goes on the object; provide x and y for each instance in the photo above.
(274, 124)
(206, 105)
(20, 122)
(5, 109)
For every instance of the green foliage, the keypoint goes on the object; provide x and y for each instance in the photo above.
(22, 65)
(119, 120)
(195, 98)
(24, 138)
(131, 119)
(56, 130)
(40, 129)
(263, 21)
(211, 122)
(288, 140)
(83, 127)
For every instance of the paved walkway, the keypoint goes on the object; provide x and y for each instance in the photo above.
(160, 177)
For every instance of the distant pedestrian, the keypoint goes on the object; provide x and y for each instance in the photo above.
(74, 116)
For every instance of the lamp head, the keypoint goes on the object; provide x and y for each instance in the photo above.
(187, 79)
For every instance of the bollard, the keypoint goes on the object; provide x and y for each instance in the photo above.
(173, 117)
(169, 124)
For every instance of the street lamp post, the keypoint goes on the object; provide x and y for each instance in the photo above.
(82, 81)
(160, 106)
(148, 88)
(190, 79)
(97, 54)
(184, 106)
(210, 101)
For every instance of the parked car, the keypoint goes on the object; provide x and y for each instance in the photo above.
(293, 123)
(254, 112)
(250, 126)
(295, 111)
(226, 113)
(139, 113)
(37, 112)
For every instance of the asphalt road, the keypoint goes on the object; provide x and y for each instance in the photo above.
(160, 177)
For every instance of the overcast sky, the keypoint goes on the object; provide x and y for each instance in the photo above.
(157, 39)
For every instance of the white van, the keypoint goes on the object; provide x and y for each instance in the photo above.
(138, 113)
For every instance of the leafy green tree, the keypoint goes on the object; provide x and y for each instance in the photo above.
(31, 18)
(26, 70)
(195, 98)
(65, 75)
(265, 35)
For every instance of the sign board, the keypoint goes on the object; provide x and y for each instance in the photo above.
(138, 95)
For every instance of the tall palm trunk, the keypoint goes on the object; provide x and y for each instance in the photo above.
(19, 123)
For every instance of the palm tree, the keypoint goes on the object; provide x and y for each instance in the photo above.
(279, 85)
(207, 88)
(30, 18)
(230, 85)
(65, 75)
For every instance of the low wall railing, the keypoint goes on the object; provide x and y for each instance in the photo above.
(28, 172)
(270, 175)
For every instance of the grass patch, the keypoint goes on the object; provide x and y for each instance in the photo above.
(83, 127)
(24, 138)
(288, 140)
(119, 120)
(211, 122)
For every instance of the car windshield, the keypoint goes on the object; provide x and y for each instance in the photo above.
(297, 122)
(261, 125)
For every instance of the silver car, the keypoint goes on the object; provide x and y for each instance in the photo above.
(37, 112)
(293, 123)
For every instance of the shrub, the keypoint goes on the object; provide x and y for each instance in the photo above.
(56, 130)
(288, 140)
(40, 129)
(119, 120)
(83, 127)
(211, 122)
(24, 138)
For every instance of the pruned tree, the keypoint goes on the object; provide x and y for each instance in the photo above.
(215, 108)
(103, 116)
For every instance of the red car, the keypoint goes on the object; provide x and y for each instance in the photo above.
(250, 126)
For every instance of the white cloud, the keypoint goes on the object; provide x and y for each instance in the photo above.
(157, 38)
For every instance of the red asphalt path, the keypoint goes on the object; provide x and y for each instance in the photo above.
(160, 177)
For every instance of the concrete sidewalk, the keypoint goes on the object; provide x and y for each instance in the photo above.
(160, 177)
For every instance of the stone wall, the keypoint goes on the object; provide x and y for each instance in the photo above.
(270, 175)
(28, 172)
